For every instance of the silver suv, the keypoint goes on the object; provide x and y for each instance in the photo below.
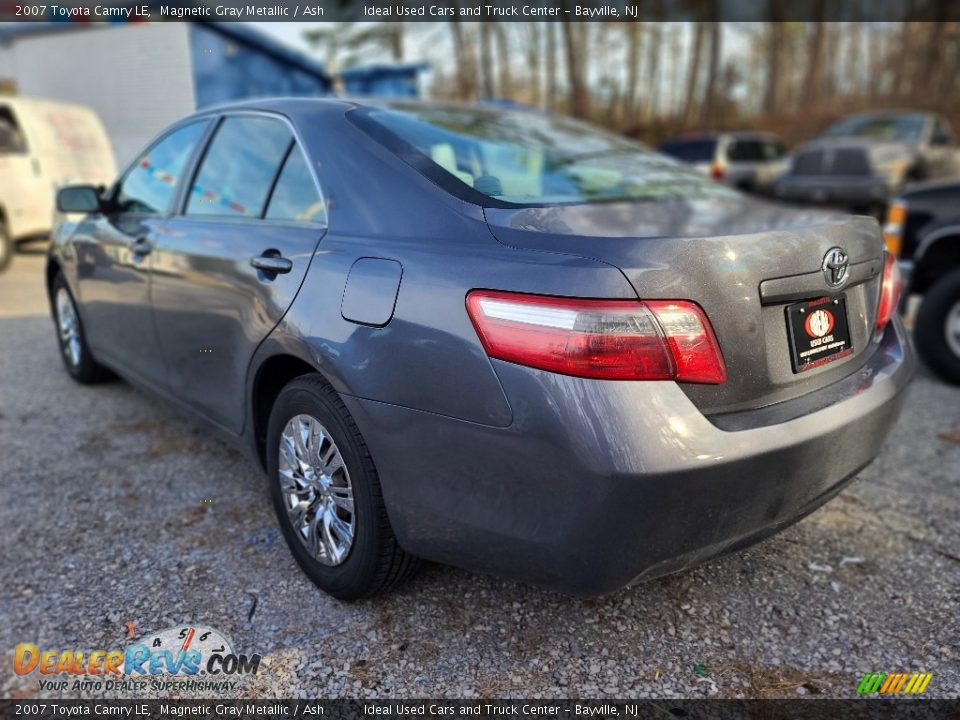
(750, 161)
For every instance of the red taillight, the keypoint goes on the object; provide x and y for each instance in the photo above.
(716, 171)
(889, 291)
(607, 339)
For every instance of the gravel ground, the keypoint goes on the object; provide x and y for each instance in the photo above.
(116, 509)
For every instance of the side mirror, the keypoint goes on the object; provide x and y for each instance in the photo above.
(78, 199)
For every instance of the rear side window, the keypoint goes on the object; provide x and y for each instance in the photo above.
(239, 168)
(746, 151)
(11, 138)
(149, 186)
(774, 150)
(295, 195)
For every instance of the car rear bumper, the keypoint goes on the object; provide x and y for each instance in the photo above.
(598, 484)
(852, 189)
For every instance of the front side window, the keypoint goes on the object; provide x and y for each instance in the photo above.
(941, 133)
(746, 151)
(773, 150)
(295, 195)
(239, 167)
(149, 186)
(531, 159)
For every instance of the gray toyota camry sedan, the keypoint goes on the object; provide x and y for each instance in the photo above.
(500, 340)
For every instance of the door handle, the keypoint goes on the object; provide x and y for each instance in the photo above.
(272, 264)
(141, 246)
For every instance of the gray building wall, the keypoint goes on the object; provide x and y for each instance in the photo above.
(138, 78)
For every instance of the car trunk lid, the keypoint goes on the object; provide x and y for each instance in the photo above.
(741, 260)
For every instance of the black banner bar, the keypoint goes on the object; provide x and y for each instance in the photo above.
(809, 709)
(478, 10)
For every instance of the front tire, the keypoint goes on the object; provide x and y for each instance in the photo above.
(74, 351)
(327, 497)
(937, 330)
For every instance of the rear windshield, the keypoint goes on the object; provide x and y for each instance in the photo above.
(754, 150)
(691, 151)
(898, 128)
(528, 158)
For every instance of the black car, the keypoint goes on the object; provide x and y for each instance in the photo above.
(923, 229)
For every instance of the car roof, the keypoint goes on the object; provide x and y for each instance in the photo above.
(893, 112)
(280, 104)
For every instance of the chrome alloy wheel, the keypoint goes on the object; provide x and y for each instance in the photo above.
(951, 328)
(69, 327)
(316, 490)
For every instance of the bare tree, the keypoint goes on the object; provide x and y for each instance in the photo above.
(932, 60)
(693, 73)
(462, 52)
(486, 61)
(634, 32)
(533, 35)
(711, 99)
(551, 66)
(813, 79)
(775, 40)
(503, 59)
(579, 105)
(652, 105)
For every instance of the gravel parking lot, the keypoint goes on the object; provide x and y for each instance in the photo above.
(120, 516)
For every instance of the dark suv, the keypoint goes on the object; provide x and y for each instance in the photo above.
(923, 229)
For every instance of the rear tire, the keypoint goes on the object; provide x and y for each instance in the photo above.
(937, 329)
(7, 248)
(74, 351)
(334, 520)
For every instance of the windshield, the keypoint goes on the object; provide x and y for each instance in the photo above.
(529, 158)
(11, 139)
(691, 151)
(897, 128)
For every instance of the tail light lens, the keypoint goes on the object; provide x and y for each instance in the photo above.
(893, 227)
(889, 291)
(716, 171)
(606, 339)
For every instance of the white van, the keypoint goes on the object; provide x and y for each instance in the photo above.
(44, 145)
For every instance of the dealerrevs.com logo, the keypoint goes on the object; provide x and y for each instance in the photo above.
(894, 683)
(183, 652)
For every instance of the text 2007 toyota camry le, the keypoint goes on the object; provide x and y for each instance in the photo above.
(499, 340)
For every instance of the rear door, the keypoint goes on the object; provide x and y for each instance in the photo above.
(228, 266)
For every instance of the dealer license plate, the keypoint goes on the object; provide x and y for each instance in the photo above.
(818, 332)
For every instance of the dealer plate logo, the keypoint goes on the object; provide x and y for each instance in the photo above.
(818, 323)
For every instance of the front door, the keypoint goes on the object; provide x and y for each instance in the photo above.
(228, 267)
(114, 260)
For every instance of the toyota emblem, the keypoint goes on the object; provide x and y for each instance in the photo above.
(836, 265)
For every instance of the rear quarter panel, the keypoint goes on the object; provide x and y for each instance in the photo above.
(428, 357)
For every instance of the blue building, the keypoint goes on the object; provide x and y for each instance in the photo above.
(140, 77)
(383, 80)
(231, 61)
